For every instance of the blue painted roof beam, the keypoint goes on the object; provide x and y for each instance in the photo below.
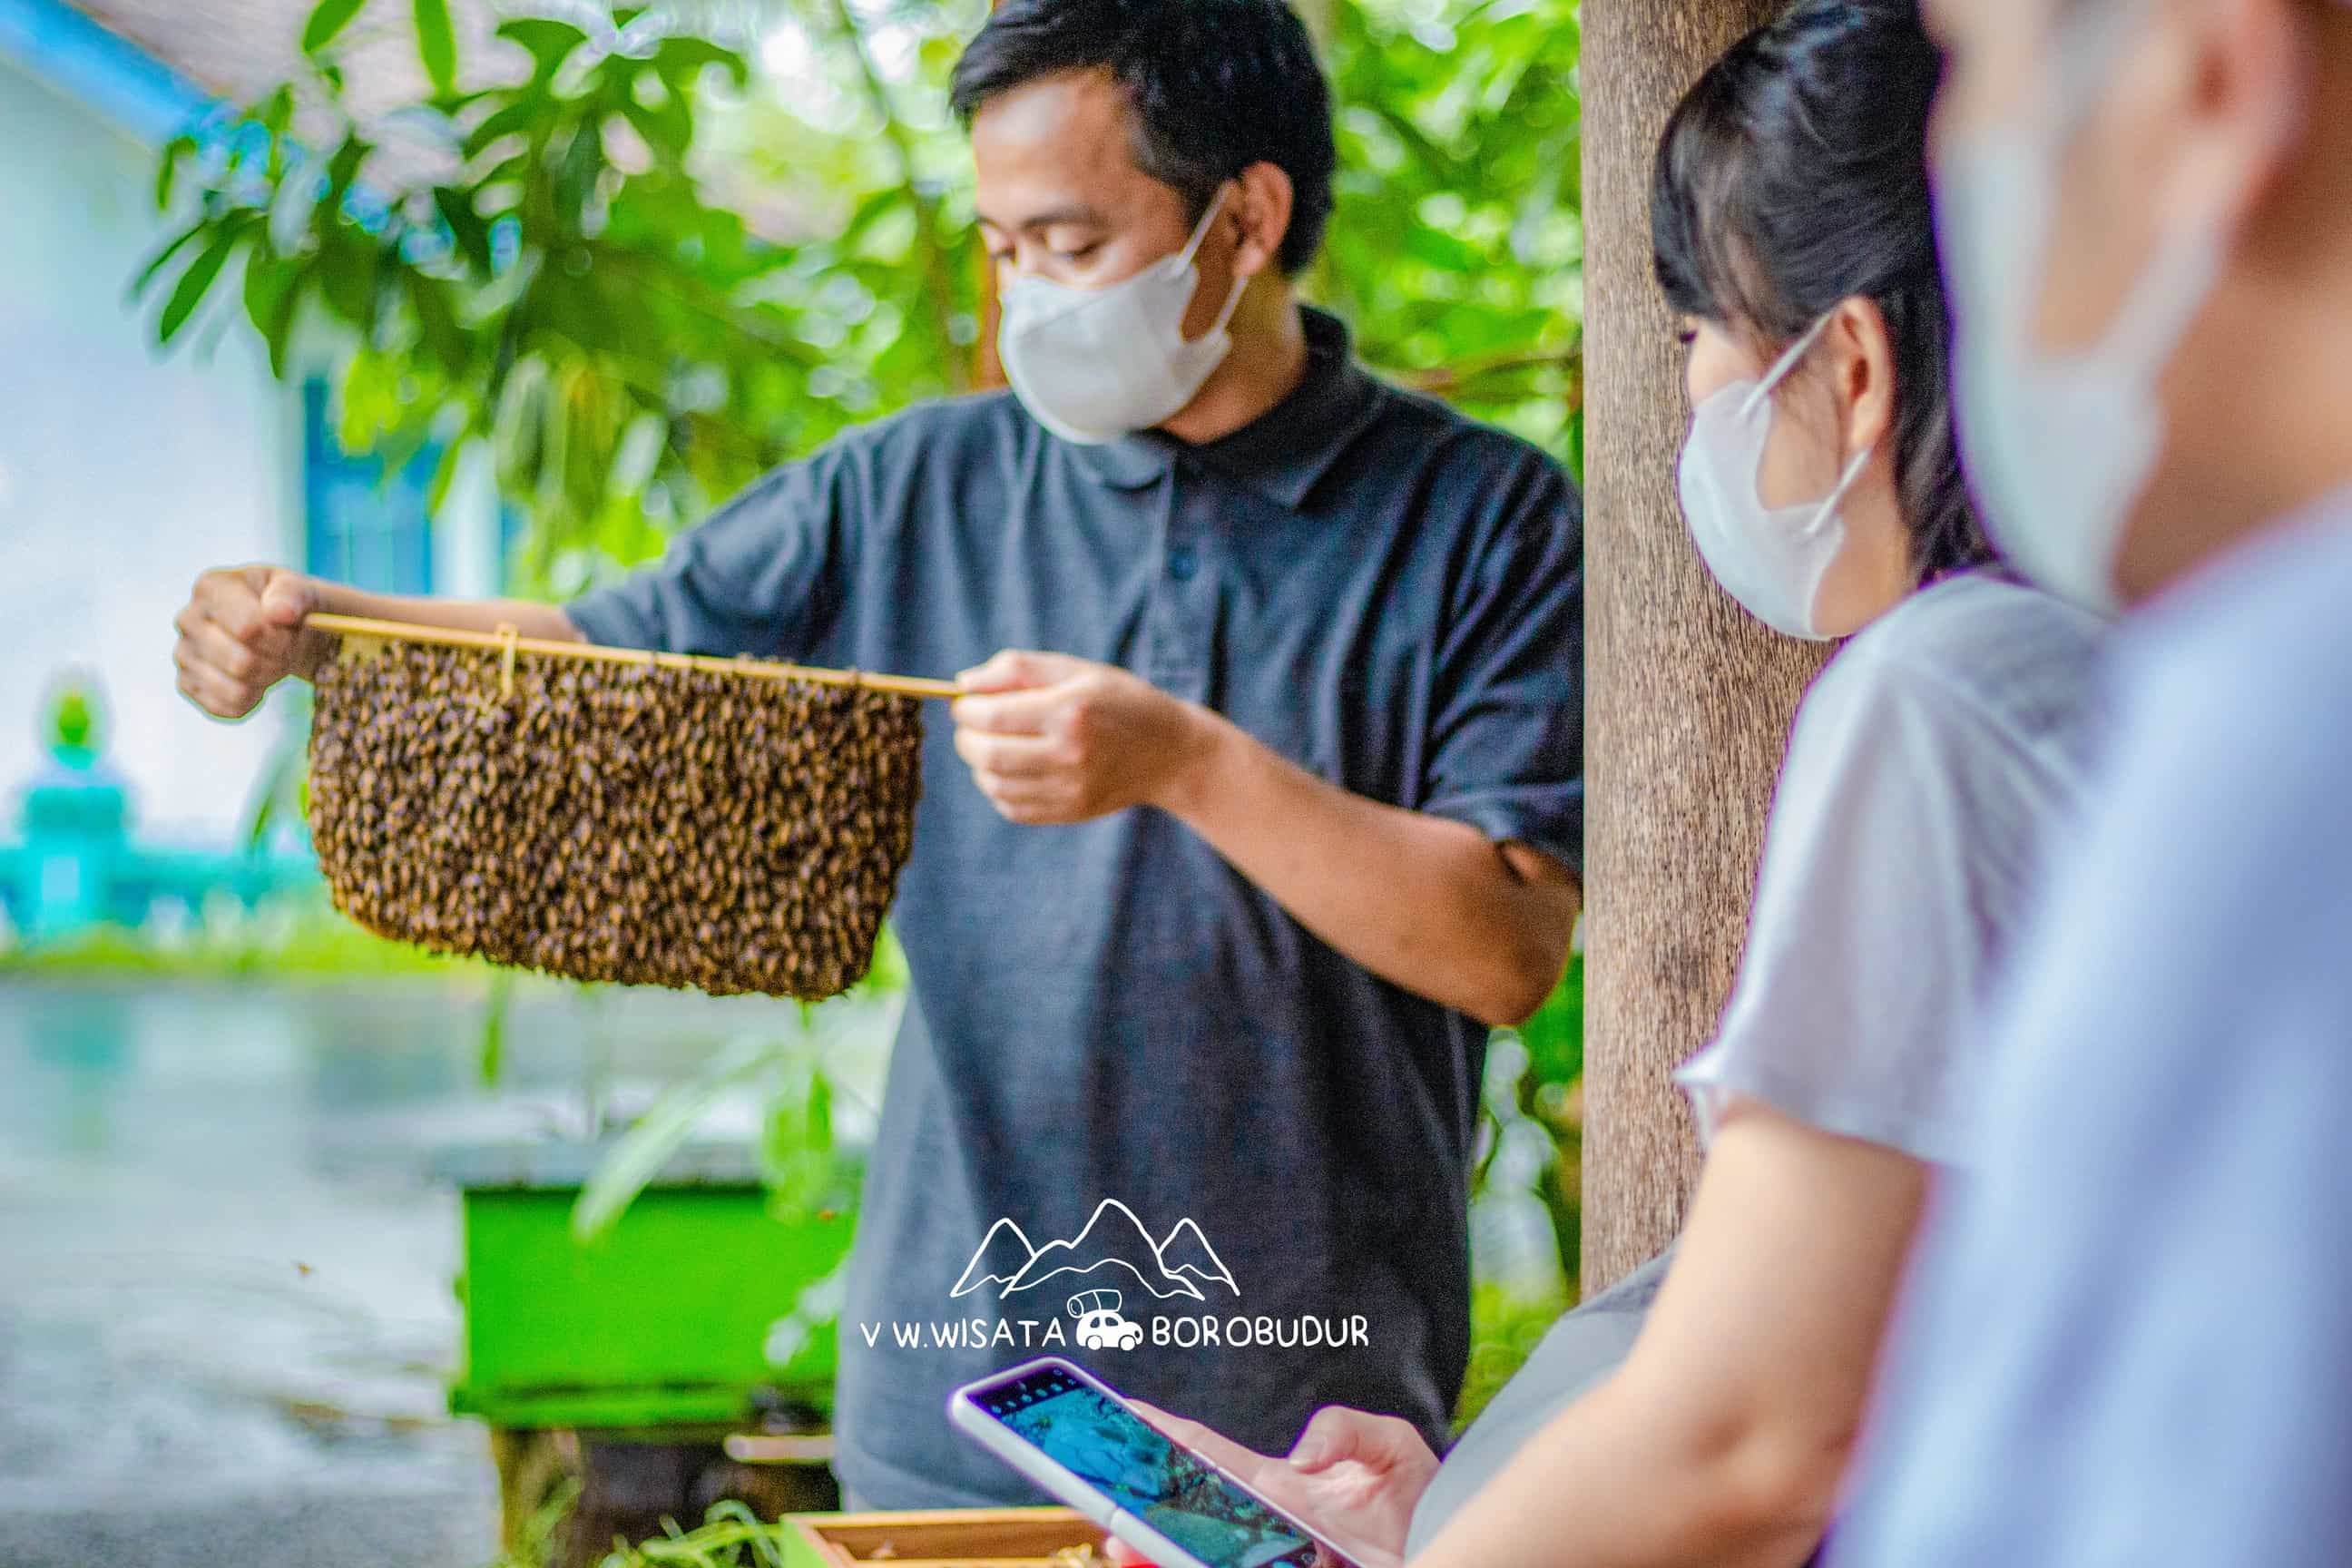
(140, 92)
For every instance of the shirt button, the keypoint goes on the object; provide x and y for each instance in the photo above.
(1182, 563)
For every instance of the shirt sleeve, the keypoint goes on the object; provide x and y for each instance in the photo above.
(764, 575)
(1878, 912)
(1507, 754)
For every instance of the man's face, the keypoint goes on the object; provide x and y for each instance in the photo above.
(1060, 196)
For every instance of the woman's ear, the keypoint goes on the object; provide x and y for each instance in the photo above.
(1262, 211)
(1863, 355)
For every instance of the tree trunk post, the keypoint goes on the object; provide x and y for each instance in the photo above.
(1688, 699)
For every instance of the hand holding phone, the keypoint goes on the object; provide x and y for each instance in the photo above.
(1082, 1443)
(1353, 1476)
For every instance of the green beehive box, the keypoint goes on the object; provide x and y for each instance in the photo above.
(662, 1322)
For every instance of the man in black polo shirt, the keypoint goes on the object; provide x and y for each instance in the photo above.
(1223, 870)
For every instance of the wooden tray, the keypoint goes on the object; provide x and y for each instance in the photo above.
(951, 1537)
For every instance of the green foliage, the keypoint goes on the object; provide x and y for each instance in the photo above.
(730, 1536)
(315, 944)
(1548, 1094)
(564, 289)
(1457, 249)
(1555, 1036)
(543, 1532)
(1503, 1331)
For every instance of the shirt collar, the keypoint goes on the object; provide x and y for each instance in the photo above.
(1282, 452)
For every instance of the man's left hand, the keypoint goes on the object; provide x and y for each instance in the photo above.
(1053, 739)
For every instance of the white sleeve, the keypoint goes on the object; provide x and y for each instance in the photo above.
(1895, 865)
(2129, 1341)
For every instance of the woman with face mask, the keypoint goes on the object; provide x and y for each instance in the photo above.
(1703, 1411)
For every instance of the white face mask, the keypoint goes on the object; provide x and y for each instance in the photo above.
(1772, 559)
(1093, 365)
(2060, 444)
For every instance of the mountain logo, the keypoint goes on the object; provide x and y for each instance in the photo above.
(1113, 1243)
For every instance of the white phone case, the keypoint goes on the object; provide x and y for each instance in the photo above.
(1040, 1467)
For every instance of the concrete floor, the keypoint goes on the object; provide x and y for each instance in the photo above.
(225, 1314)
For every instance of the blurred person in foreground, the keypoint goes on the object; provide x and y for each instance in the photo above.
(1943, 751)
(2130, 1340)
(1273, 807)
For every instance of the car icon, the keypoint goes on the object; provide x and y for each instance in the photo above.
(1100, 1327)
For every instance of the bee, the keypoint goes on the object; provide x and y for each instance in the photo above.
(614, 821)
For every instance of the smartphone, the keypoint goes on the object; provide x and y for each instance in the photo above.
(1074, 1436)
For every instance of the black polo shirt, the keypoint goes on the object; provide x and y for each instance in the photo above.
(1107, 1024)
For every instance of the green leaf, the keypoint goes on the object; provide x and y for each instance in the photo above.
(497, 1003)
(342, 169)
(438, 323)
(327, 18)
(278, 110)
(550, 42)
(798, 1154)
(281, 785)
(190, 292)
(436, 44)
(280, 333)
(511, 120)
(466, 229)
(167, 168)
(680, 58)
(265, 280)
(346, 271)
(576, 175)
(444, 474)
(661, 1132)
(157, 262)
(668, 129)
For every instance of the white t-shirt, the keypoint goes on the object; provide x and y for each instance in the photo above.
(1930, 766)
(2128, 1340)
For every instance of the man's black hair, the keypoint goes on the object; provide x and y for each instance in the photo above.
(1212, 86)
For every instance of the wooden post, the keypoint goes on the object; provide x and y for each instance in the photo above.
(1688, 699)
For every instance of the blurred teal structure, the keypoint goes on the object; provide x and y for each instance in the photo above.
(77, 866)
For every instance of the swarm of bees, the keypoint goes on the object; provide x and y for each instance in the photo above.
(606, 821)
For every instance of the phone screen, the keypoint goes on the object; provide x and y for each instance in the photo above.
(1130, 1461)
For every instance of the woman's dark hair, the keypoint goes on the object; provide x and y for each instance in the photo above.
(1212, 87)
(1794, 174)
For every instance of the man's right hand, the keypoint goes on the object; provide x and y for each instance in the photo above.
(241, 634)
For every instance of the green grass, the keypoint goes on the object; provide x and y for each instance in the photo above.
(319, 944)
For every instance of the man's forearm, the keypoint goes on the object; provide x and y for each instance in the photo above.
(1431, 904)
(548, 623)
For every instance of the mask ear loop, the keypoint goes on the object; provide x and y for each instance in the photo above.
(1773, 377)
(1786, 363)
(1187, 257)
(1184, 258)
(1828, 508)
